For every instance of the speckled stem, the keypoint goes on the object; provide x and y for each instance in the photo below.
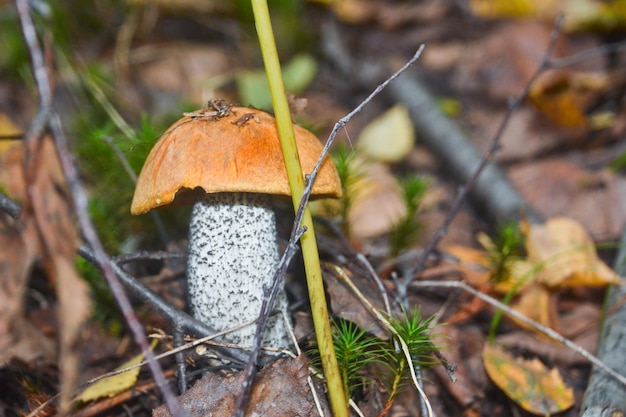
(233, 253)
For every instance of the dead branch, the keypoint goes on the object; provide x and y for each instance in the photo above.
(603, 396)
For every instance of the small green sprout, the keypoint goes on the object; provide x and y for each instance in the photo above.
(407, 228)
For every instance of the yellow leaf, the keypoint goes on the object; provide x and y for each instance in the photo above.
(390, 137)
(495, 9)
(535, 302)
(564, 95)
(8, 128)
(113, 385)
(565, 255)
(529, 383)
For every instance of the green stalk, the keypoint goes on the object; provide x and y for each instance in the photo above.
(315, 284)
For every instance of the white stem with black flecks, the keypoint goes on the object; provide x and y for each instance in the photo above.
(233, 253)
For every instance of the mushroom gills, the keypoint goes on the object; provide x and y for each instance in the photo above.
(233, 254)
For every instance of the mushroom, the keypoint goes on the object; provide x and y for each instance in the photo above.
(229, 160)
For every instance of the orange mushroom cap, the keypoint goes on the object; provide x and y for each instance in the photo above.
(237, 152)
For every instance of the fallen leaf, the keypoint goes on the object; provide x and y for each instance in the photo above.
(54, 240)
(377, 206)
(184, 68)
(565, 255)
(493, 9)
(54, 216)
(596, 199)
(20, 244)
(564, 95)
(528, 382)
(536, 303)
(113, 385)
(280, 389)
(389, 137)
(348, 306)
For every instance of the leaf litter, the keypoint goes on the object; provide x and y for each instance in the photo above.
(600, 218)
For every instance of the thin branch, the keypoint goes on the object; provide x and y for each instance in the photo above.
(518, 316)
(9, 206)
(40, 73)
(310, 178)
(601, 393)
(588, 54)
(176, 317)
(80, 201)
(147, 255)
(45, 119)
(495, 144)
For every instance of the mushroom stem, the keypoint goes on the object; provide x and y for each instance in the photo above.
(233, 254)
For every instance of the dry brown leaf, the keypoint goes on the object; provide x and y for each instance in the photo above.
(44, 231)
(595, 199)
(564, 95)
(280, 389)
(20, 248)
(565, 255)
(348, 306)
(472, 263)
(538, 304)
(378, 205)
(55, 222)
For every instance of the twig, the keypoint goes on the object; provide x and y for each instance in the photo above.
(405, 349)
(179, 358)
(207, 340)
(13, 136)
(147, 255)
(9, 206)
(346, 119)
(381, 287)
(80, 201)
(589, 53)
(45, 119)
(176, 317)
(518, 316)
(464, 190)
(266, 310)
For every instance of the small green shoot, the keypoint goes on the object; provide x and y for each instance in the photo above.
(407, 229)
(504, 250)
(356, 349)
(414, 330)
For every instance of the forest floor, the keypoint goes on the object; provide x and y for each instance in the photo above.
(127, 71)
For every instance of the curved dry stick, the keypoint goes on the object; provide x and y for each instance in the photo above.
(484, 161)
(602, 394)
(518, 316)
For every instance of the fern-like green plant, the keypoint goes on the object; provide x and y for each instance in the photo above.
(355, 349)
(504, 249)
(415, 331)
(407, 228)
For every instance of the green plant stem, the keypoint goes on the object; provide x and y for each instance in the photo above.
(315, 284)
